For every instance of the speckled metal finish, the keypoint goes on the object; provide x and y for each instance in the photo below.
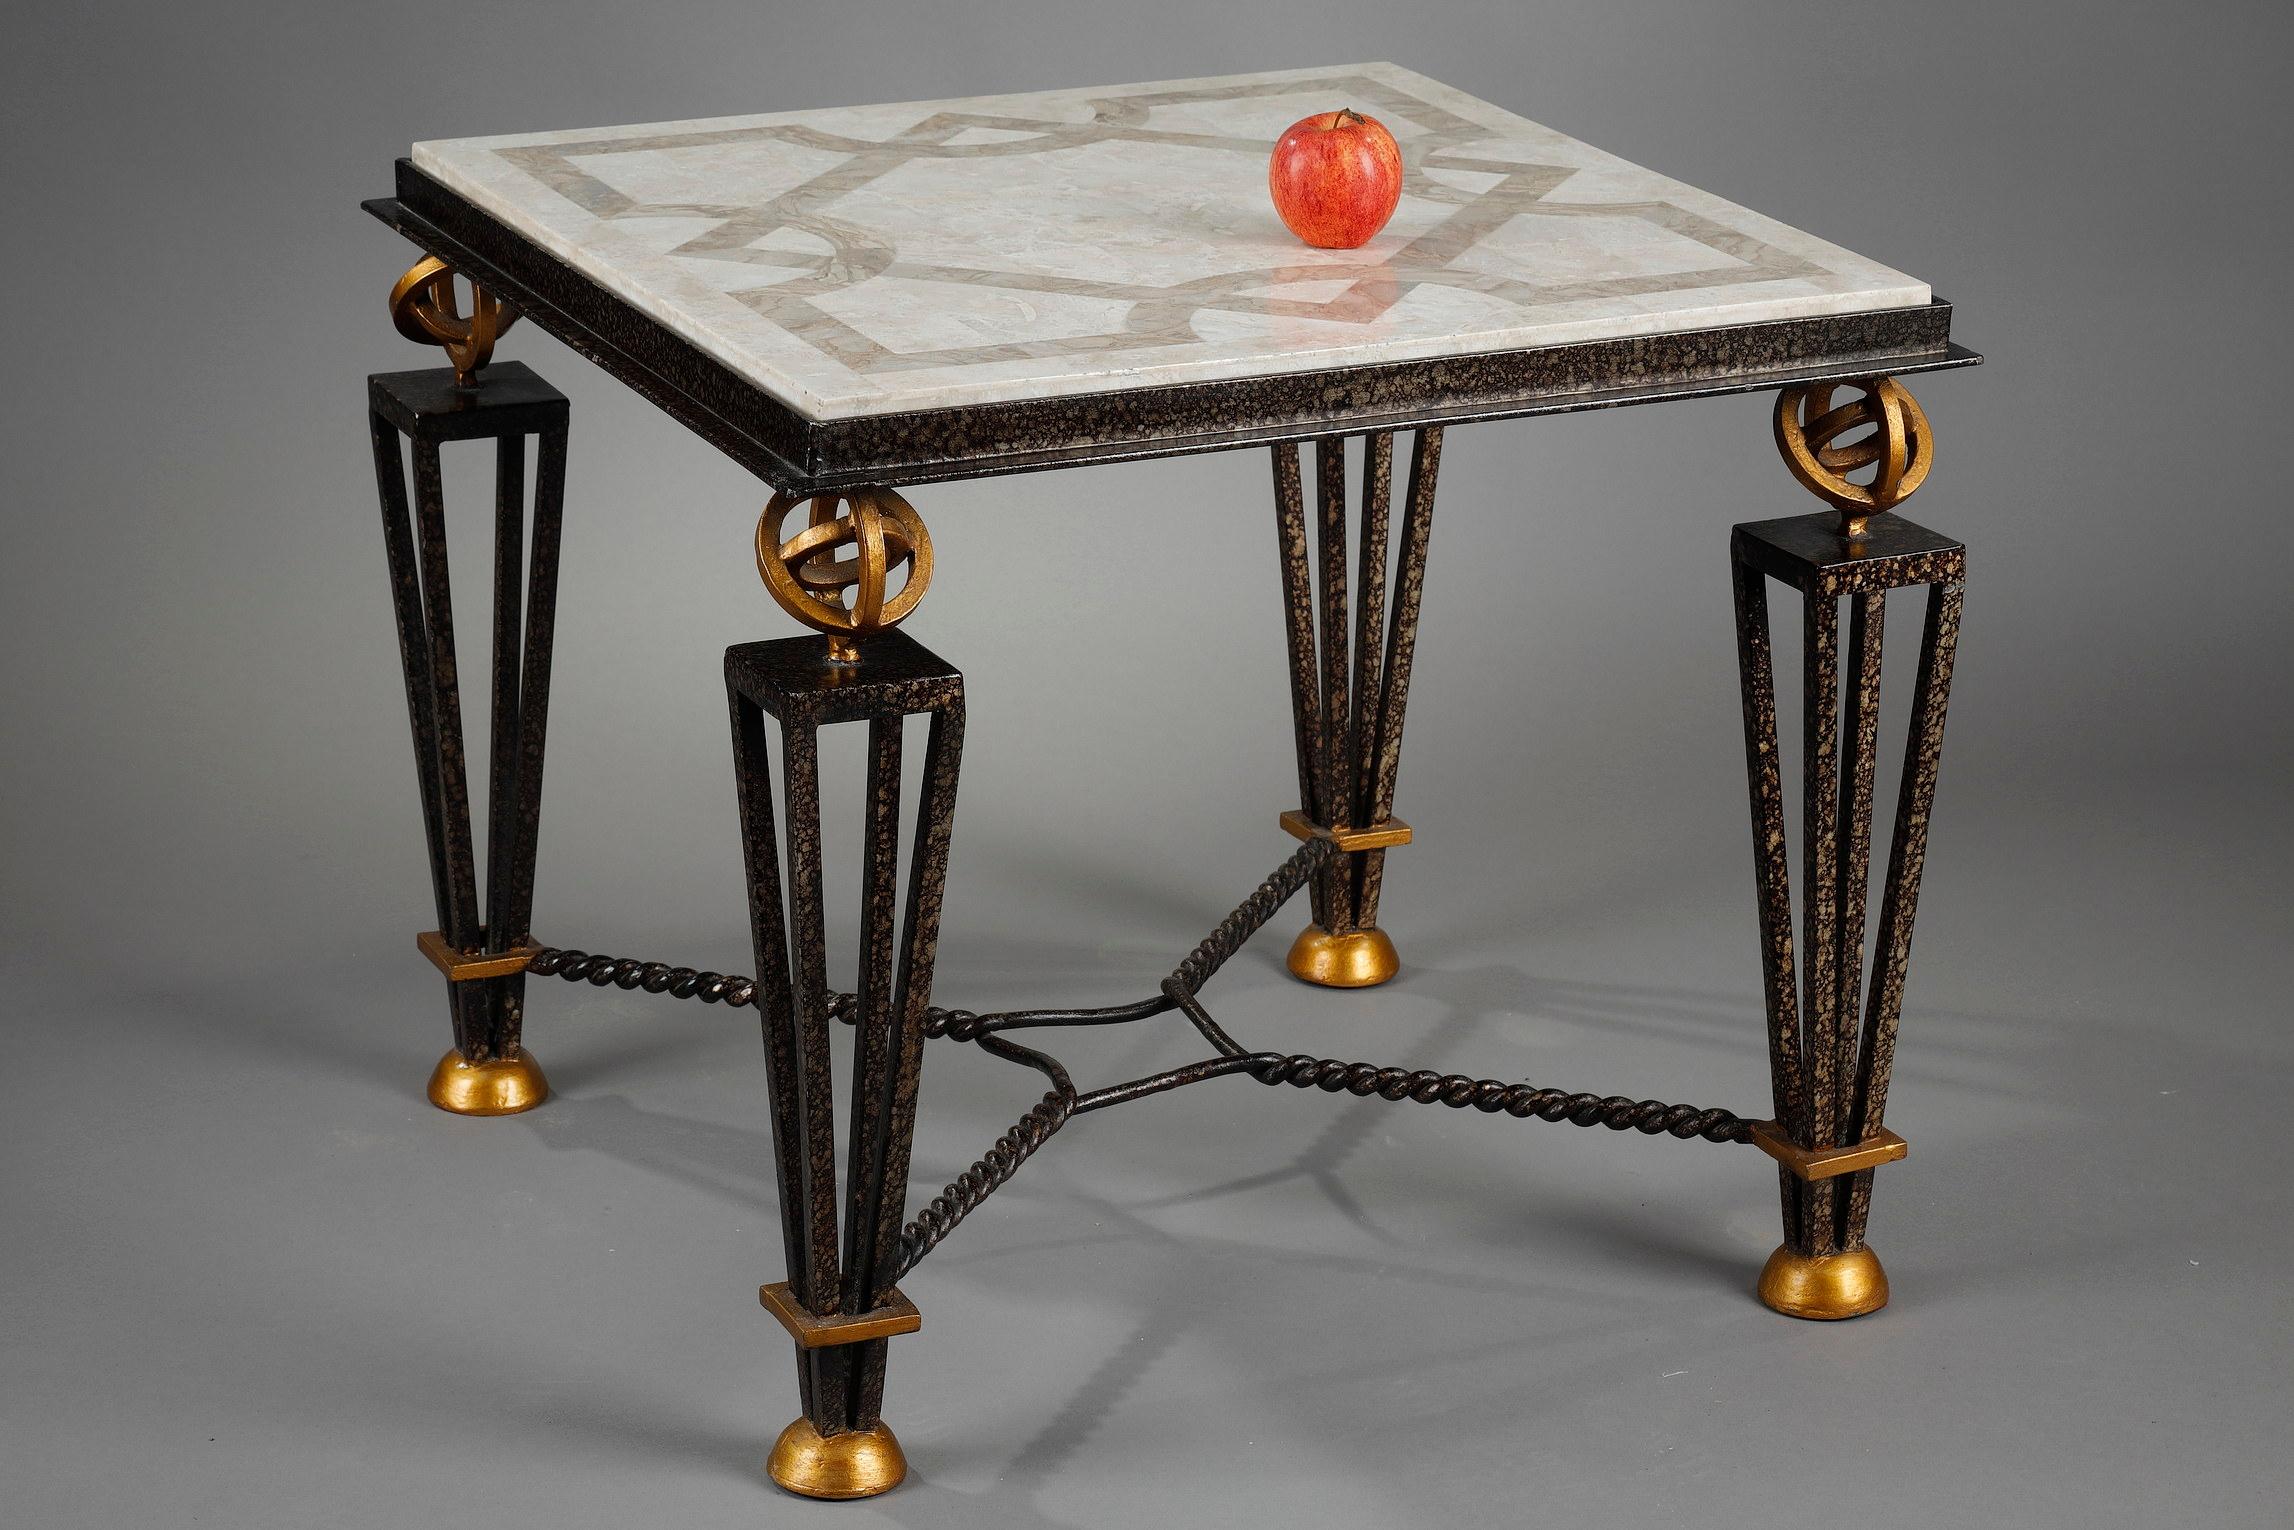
(794, 681)
(428, 407)
(799, 455)
(1831, 1048)
(1808, 553)
(1350, 691)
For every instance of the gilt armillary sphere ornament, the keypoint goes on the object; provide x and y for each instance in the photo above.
(424, 309)
(809, 580)
(1809, 432)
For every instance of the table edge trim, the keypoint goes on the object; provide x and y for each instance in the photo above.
(798, 454)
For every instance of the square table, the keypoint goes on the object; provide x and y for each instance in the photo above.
(852, 302)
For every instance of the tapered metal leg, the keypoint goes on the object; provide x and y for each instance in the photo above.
(488, 1071)
(837, 1300)
(1831, 1042)
(1349, 692)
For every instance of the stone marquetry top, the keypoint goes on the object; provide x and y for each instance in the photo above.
(870, 259)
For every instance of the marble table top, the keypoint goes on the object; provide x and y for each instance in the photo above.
(862, 260)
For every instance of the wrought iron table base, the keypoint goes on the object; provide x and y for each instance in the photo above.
(1831, 1037)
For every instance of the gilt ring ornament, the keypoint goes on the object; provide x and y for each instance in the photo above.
(1809, 432)
(808, 579)
(424, 309)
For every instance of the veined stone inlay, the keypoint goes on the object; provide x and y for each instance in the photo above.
(865, 259)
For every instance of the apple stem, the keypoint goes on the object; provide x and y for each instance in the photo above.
(1346, 114)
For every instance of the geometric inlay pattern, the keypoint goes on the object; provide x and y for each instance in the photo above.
(864, 259)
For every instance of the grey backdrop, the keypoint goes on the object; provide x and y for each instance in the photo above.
(248, 1278)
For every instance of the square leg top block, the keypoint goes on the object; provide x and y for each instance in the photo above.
(508, 400)
(795, 680)
(1809, 553)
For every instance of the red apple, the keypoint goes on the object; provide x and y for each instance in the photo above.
(1335, 178)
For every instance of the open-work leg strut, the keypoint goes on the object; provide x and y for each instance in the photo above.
(839, 1302)
(1832, 1034)
(482, 950)
(1349, 692)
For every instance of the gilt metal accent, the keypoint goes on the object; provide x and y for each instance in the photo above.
(424, 308)
(1811, 433)
(810, 582)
